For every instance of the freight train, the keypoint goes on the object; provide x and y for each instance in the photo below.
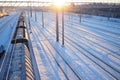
(18, 64)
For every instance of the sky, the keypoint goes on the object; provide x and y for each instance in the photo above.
(37, 4)
(109, 1)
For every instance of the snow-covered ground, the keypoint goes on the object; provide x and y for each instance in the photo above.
(91, 51)
(7, 27)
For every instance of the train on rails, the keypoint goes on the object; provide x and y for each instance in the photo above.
(19, 65)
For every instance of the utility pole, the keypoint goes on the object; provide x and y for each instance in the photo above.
(80, 17)
(28, 14)
(63, 26)
(57, 28)
(42, 19)
(35, 16)
(31, 9)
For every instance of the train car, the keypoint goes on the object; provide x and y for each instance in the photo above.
(19, 62)
(20, 33)
(21, 65)
(21, 24)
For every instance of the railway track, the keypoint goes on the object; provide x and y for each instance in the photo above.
(92, 41)
(88, 40)
(102, 67)
(78, 48)
(82, 36)
(111, 40)
(70, 41)
(101, 31)
(108, 34)
(56, 59)
(97, 22)
(52, 57)
(92, 35)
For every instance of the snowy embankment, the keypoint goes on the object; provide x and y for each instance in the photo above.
(7, 27)
(91, 51)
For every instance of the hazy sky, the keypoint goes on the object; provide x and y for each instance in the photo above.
(115, 1)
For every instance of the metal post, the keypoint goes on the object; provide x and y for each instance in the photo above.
(42, 19)
(80, 18)
(57, 29)
(23, 23)
(30, 9)
(29, 23)
(63, 26)
(109, 14)
(80, 15)
(28, 12)
(28, 15)
(35, 16)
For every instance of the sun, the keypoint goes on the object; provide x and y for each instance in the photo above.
(59, 3)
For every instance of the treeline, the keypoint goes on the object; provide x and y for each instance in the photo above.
(101, 9)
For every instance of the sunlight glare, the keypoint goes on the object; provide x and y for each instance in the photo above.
(59, 3)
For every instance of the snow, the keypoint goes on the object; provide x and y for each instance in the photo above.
(91, 51)
(7, 27)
